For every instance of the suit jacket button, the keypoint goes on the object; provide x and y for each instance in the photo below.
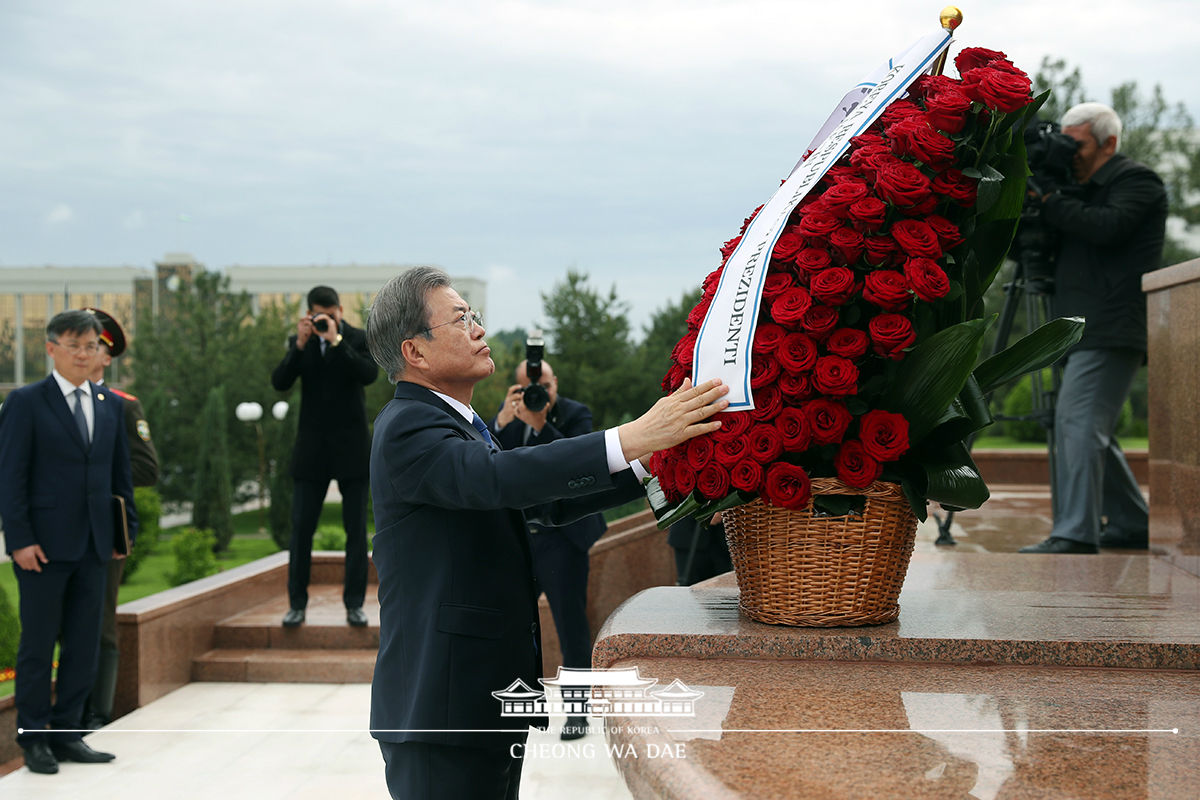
(533, 628)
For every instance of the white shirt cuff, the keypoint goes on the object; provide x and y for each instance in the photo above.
(616, 456)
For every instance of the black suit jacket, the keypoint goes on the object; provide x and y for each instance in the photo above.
(458, 615)
(1112, 234)
(56, 490)
(566, 420)
(332, 440)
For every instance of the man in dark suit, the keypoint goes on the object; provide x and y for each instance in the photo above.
(63, 458)
(560, 555)
(332, 442)
(143, 460)
(458, 610)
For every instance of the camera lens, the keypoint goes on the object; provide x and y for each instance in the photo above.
(536, 397)
(322, 325)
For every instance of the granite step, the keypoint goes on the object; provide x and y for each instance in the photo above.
(285, 666)
(324, 628)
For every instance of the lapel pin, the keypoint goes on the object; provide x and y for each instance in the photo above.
(100, 396)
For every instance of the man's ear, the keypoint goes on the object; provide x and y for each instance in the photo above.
(1110, 146)
(414, 357)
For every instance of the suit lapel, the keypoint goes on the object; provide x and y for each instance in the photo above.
(58, 405)
(411, 391)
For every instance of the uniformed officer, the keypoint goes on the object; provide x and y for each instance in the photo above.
(144, 462)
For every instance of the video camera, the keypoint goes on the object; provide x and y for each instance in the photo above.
(1050, 153)
(535, 395)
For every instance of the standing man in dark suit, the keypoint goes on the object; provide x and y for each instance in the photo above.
(560, 555)
(458, 610)
(332, 442)
(63, 458)
(143, 459)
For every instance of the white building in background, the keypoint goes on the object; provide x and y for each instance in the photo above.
(30, 296)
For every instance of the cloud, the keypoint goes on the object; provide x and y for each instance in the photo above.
(61, 213)
(499, 273)
(134, 220)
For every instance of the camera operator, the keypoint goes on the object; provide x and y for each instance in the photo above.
(526, 418)
(332, 443)
(1111, 226)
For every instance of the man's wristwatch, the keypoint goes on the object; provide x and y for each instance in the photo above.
(338, 340)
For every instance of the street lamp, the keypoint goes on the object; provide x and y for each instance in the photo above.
(252, 412)
(279, 410)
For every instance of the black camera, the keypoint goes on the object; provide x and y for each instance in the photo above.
(1035, 246)
(535, 395)
(321, 325)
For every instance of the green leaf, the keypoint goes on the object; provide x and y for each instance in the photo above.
(954, 479)
(971, 172)
(987, 194)
(968, 413)
(1033, 352)
(916, 499)
(933, 374)
(735, 498)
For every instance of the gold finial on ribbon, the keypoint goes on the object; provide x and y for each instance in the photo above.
(951, 17)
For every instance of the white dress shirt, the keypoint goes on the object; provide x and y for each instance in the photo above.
(89, 412)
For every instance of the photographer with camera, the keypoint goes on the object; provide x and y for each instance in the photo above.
(1110, 226)
(332, 443)
(533, 413)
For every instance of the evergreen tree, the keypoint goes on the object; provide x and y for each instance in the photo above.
(281, 440)
(213, 499)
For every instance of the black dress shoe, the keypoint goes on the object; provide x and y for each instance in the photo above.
(39, 758)
(575, 728)
(78, 751)
(356, 617)
(1056, 544)
(93, 722)
(293, 617)
(1125, 542)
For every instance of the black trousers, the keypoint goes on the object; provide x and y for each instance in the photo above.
(62, 603)
(424, 771)
(562, 573)
(308, 497)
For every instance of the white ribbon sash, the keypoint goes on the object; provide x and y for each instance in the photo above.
(723, 344)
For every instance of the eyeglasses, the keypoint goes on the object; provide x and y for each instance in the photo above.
(74, 348)
(469, 320)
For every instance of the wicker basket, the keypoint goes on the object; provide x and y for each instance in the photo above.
(796, 569)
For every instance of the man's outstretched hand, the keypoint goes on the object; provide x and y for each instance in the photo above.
(674, 419)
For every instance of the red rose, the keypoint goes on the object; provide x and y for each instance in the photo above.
(838, 173)
(699, 452)
(833, 286)
(746, 475)
(947, 111)
(767, 337)
(764, 370)
(913, 137)
(848, 342)
(811, 260)
(958, 187)
(898, 110)
(902, 184)
(835, 376)
(794, 430)
(734, 425)
(728, 248)
(797, 353)
(947, 232)
(776, 284)
(664, 470)
(929, 281)
(828, 420)
(749, 219)
(788, 244)
(915, 238)
(765, 443)
(713, 482)
(1001, 89)
(711, 280)
(791, 306)
(871, 160)
(929, 85)
(795, 387)
(867, 139)
(972, 57)
(684, 350)
(884, 434)
(880, 250)
(921, 208)
(847, 245)
(685, 477)
(728, 452)
(816, 227)
(868, 214)
(674, 378)
(696, 316)
(839, 197)
(855, 467)
(887, 289)
(820, 321)
(890, 334)
(767, 403)
(787, 486)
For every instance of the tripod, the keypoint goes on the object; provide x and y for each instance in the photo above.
(1031, 292)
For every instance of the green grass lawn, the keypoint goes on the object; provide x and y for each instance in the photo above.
(1006, 443)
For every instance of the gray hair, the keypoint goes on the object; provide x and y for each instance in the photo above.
(401, 312)
(73, 321)
(1104, 121)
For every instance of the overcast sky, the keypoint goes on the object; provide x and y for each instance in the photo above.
(508, 140)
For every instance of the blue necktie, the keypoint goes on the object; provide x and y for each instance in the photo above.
(477, 421)
(80, 419)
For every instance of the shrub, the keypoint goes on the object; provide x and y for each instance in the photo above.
(149, 509)
(10, 632)
(1020, 402)
(213, 499)
(329, 537)
(193, 549)
(282, 439)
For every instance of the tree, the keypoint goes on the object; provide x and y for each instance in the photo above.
(667, 326)
(212, 503)
(589, 339)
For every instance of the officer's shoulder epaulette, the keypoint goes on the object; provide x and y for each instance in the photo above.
(125, 395)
